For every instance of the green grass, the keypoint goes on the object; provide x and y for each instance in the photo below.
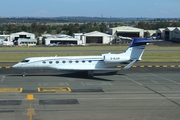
(147, 56)
(161, 57)
(86, 48)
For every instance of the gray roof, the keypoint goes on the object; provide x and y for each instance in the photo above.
(26, 40)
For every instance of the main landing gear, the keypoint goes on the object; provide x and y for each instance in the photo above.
(90, 74)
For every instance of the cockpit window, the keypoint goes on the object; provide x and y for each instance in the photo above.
(25, 61)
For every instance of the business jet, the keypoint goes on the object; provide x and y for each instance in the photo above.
(105, 62)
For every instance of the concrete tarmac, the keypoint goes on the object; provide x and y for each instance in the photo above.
(134, 94)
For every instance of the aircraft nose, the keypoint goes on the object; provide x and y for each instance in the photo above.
(16, 66)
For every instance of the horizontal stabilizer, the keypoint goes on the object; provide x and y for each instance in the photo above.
(130, 64)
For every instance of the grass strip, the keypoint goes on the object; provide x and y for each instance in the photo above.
(147, 56)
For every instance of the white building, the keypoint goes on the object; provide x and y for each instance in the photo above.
(160, 33)
(78, 35)
(176, 34)
(61, 41)
(127, 31)
(151, 32)
(23, 39)
(4, 38)
(168, 33)
(26, 42)
(46, 35)
(96, 38)
(26, 35)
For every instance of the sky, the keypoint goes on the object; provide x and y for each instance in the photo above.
(90, 8)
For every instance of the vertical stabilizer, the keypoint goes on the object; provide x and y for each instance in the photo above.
(137, 47)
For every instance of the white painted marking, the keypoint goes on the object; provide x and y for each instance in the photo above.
(132, 80)
(2, 79)
(96, 83)
(82, 83)
(154, 81)
(44, 84)
(109, 83)
(70, 79)
(67, 83)
(128, 98)
(39, 84)
(63, 83)
(165, 78)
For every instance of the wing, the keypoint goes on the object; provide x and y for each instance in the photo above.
(101, 69)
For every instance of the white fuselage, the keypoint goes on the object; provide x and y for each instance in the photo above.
(73, 62)
(88, 63)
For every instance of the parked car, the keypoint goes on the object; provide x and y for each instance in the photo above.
(53, 44)
(7, 43)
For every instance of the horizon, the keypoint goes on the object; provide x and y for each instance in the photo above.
(91, 8)
(88, 17)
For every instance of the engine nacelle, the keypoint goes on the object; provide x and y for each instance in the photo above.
(114, 58)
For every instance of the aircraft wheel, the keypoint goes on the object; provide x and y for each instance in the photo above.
(24, 74)
(90, 74)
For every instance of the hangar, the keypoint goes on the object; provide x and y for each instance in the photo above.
(96, 37)
(160, 33)
(168, 32)
(23, 39)
(61, 41)
(26, 35)
(176, 34)
(127, 31)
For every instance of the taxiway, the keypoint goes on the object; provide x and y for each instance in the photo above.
(135, 94)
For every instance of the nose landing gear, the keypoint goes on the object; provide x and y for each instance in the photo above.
(24, 73)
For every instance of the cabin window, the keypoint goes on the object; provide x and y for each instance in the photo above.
(44, 62)
(90, 61)
(63, 61)
(83, 61)
(77, 61)
(50, 62)
(70, 61)
(25, 61)
(57, 62)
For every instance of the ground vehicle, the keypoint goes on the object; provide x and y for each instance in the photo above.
(53, 44)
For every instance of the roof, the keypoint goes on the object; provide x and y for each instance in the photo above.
(126, 28)
(77, 34)
(46, 35)
(63, 36)
(161, 30)
(26, 40)
(170, 28)
(63, 39)
(96, 33)
(177, 28)
(22, 33)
